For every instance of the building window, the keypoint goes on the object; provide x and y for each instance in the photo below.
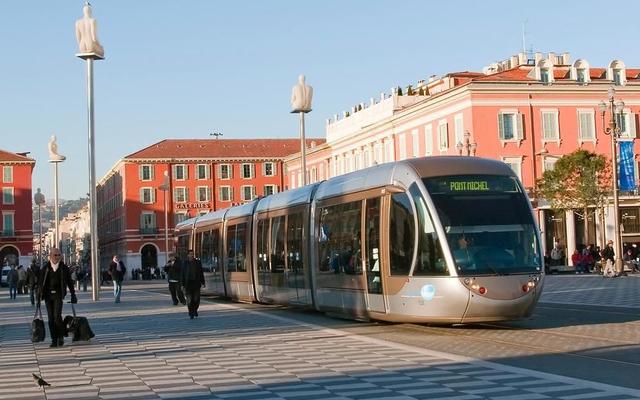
(415, 143)
(180, 172)
(179, 217)
(147, 222)
(270, 189)
(443, 136)
(267, 169)
(617, 76)
(428, 140)
(248, 192)
(180, 195)
(203, 193)
(247, 171)
(146, 172)
(549, 163)
(202, 171)
(7, 174)
(8, 227)
(458, 123)
(581, 75)
(402, 144)
(225, 171)
(7, 195)
(586, 125)
(627, 124)
(516, 165)
(147, 195)
(544, 75)
(510, 125)
(550, 125)
(226, 193)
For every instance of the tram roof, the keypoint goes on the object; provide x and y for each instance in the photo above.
(211, 217)
(457, 165)
(368, 178)
(243, 210)
(186, 224)
(288, 198)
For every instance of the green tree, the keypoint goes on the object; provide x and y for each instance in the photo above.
(579, 181)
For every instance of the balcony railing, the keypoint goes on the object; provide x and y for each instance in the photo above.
(148, 231)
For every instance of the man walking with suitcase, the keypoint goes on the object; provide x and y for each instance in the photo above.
(54, 280)
(192, 280)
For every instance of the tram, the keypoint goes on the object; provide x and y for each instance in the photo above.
(438, 239)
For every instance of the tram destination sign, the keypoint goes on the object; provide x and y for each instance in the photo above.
(470, 183)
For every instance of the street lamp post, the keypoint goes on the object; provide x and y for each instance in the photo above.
(89, 50)
(55, 158)
(38, 198)
(613, 129)
(301, 96)
(165, 188)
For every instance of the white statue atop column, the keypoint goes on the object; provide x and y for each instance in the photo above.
(87, 33)
(301, 96)
(53, 151)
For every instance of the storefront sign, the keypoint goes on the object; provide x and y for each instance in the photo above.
(189, 206)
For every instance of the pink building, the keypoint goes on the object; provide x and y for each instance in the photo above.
(527, 112)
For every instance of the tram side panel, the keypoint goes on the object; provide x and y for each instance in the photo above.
(210, 254)
(237, 259)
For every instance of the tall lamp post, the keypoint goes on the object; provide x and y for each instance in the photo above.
(614, 129)
(301, 96)
(55, 158)
(38, 198)
(165, 188)
(89, 49)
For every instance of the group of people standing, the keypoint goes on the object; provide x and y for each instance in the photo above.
(22, 281)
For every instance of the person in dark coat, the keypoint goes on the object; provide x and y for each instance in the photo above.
(117, 270)
(55, 278)
(173, 270)
(192, 280)
(32, 282)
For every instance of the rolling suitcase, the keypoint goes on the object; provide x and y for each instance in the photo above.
(78, 326)
(37, 326)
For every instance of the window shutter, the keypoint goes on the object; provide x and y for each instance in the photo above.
(140, 175)
(142, 221)
(230, 193)
(152, 169)
(141, 195)
(186, 194)
(153, 195)
(230, 168)
(253, 170)
(520, 118)
(186, 172)
(632, 125)
(500, 126)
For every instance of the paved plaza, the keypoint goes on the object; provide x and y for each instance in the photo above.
(145, 348)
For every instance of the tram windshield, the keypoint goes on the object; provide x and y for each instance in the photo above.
(488, 224)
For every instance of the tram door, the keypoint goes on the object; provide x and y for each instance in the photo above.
(373, 256)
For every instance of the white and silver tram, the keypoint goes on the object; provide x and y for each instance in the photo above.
(438, 239)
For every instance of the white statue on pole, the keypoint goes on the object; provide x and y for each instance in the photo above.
(301, 96)
(87, 33)
(53, 151)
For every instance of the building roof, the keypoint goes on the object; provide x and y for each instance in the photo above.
(6, 156)
(222, 148)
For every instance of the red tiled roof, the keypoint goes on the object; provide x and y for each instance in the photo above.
(222, 148)
(6, 156)
(514, 74)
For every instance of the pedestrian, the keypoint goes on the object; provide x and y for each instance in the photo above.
(117, 271)
(576, 260)
(12, 280)
(22, 279)
(192, 280)
(173, 270)
(32, 282)
(609, 257)
(557, 254)
(54, 279)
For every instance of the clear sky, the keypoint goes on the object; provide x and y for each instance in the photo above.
(184, 69)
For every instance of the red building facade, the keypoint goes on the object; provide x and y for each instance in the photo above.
(16, 234)
(193, 177)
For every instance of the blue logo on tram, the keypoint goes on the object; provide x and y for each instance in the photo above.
(428, 292)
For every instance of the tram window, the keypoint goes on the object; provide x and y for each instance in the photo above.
(262, 246)
(430, 260)
(236, 247)
(197, 248)
(277, 244)
(339, 247)
(401, 234)
(182, 245)
(215, 250)
(295, 260)
(207, 251)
